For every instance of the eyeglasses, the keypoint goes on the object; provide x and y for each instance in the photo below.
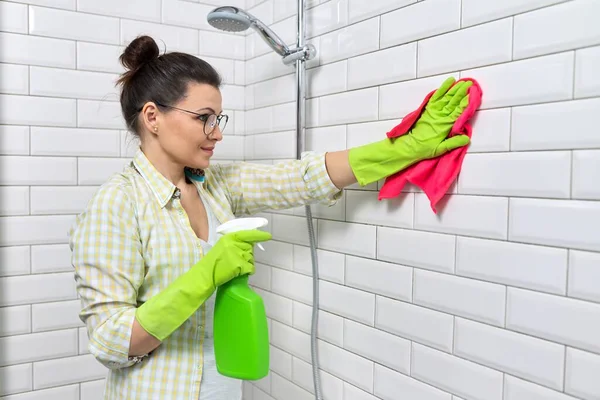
(210, 120)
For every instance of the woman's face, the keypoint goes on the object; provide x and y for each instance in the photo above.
(181, 134)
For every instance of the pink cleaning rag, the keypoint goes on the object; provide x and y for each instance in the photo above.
(434, 176)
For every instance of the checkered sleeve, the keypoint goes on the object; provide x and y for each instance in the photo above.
(253, 188)
(109, 269)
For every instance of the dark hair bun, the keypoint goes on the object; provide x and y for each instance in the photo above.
(140, 51)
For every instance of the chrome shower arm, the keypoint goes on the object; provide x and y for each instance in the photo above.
(274, 41)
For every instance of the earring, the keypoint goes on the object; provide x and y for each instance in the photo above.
(156, 129)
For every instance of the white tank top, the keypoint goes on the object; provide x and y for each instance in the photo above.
(214, 386)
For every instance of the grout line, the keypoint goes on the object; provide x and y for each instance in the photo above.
(512, 37)
(571, 173)
(568, 271)
(564, 381)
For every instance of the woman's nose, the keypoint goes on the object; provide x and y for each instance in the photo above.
(216, 134)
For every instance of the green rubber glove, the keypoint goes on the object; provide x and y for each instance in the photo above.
(427, 138)
(230, 257)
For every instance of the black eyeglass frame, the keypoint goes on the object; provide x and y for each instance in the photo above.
(202, 117)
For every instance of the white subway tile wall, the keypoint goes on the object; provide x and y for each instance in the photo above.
(494, 298)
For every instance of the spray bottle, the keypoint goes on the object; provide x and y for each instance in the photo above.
(241, 336)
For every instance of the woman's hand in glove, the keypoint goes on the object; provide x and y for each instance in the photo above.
(427, 139)
(233, 255)
(230, 257)
(429, 134)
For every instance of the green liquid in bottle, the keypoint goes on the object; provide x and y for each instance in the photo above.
(241, 336)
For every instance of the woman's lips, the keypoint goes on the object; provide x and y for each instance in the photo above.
(209, 150)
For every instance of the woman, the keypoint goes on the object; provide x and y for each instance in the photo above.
(146, 255)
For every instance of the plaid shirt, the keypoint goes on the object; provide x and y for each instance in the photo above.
(134, 239)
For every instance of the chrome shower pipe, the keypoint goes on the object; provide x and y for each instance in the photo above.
(306, 55)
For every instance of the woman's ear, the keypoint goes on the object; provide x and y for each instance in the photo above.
(150, 116)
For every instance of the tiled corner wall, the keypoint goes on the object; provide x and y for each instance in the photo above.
(61, 136)
(498, 296)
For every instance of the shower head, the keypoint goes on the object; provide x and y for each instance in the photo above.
(230, 19)
(234, 19)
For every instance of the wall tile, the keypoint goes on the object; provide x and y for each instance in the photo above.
(562, 223)
(415, 323)
(327, 79)
(533, 359)
(582, 368)
(13, 17)
(441, 16)
(586, 174)
(16, 320)
(465, 215)
(70, 392)
(583, 274)
(27, 289)
(14, 140)
(467, 378)
(51, 258)
(587, 83)
(175, 38)
(56, 315)
(356, 239)
(29, 110)
(404, 247)
(389, 383)
(475, 11)
(350, 303)
(519, 82)
(22, 170)
(95, 171)
(136, 9)
(379, 346)
(330, 326)
(14, 200)
(326, 17)
(66, 371)
(348, 107)
(543, 126)
(552, 29)
(384, 66)
(47, 141)
(518, 389)
(470, 298)
(562, 320)
(488, 44)
(38, 346)
(359, 10)
(34, 50)
(99, 114)
(531, 174)
(350, 41)
(378, 277)
(527, 266)
(331, 265)
(73, 25)
(16, 379)
(347, 366)
(15, 78)
(15, 260)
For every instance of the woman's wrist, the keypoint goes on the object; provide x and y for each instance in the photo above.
(338, 168)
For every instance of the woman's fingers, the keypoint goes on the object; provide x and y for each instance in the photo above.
(438, 94)
(458, 95)
(461, 107)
